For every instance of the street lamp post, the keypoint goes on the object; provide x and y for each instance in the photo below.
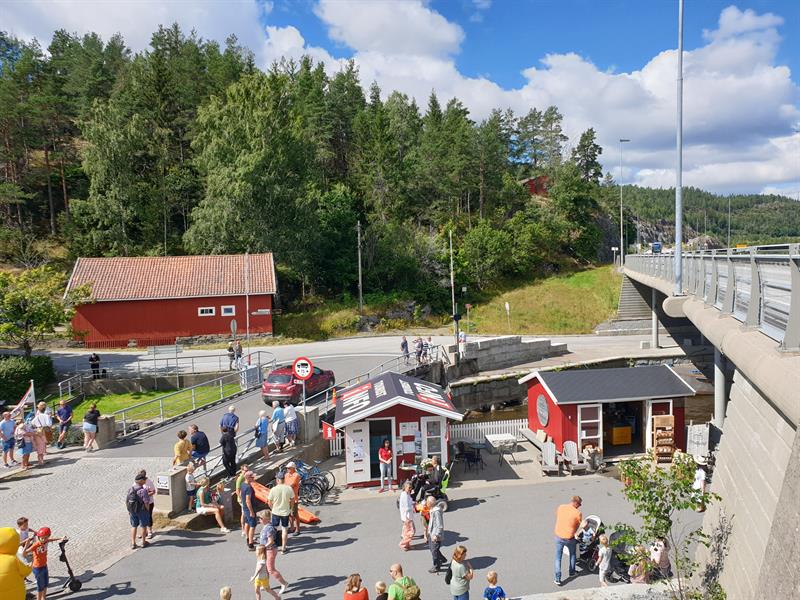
(621, 222)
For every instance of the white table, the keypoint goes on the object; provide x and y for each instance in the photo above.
(495, 440)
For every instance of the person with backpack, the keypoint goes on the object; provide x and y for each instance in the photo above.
(459, 574)
(403, 587)
(136, 502)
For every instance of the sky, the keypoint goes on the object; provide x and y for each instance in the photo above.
(607, 64)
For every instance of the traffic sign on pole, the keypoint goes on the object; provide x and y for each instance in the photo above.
(302, 368)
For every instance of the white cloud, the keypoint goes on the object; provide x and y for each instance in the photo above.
(734, 22)
(391, 26)
(287, 42)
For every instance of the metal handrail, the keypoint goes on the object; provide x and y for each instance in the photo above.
(759, 285)
(214, 463)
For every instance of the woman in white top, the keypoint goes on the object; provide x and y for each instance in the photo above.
(42, 424)
(292, 424)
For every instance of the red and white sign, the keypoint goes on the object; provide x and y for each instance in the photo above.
(328, 431)
(302, 368)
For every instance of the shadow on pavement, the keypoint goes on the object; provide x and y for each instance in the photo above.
(308, 585)
(112, 591)
(463, 503)
(452, 537)
(482, 562)
(331, 528)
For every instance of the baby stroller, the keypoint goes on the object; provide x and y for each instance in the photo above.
(588, 542)
(619, 570)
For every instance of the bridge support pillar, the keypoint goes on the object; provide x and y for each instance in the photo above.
(653, 318)
(720, 388)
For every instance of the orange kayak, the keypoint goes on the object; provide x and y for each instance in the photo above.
(262, 493)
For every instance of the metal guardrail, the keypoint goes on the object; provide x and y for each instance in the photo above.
(759, 285)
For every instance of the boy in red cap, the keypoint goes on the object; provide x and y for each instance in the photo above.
(39, 551)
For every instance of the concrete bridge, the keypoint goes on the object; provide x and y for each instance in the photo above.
(746, 303)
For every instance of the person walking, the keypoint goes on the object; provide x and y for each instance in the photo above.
(230, 420)
(136, 502)
(247, 496)
(385, 462)
(292, 424)
(568, 521)
(278, 425)
(38, 550)
(150, 488)
(260, 578)
(268, 539)
(262, 433)
(90, 419)
(228, 443)
(403, 587)
(182, 451)
(200, 445)
(280, 501)
(603, 560)
(237, 348)
(94, 365)
(208, 503)
(292, 479)
(435, 534)
(404, 349)
(406, 505)
(23, 435)
(64, 417)
(462, 574)
(354, 590)
(231, 356)
(43, 431)
(7, 427)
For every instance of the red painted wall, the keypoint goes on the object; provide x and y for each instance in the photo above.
(153, 322)
(562, 423)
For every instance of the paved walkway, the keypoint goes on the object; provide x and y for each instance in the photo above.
(80, 496)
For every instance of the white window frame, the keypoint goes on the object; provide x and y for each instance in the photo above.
(599, 421)
(200, 310)
(224, 307)
(442, 437)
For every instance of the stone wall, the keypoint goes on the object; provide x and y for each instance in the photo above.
(508, 351)
(751, 478)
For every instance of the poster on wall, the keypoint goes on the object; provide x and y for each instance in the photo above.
(358, 450)
(409, 429)
(418, 445)
(409, 448)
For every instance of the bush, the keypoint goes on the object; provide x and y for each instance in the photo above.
(17, 371)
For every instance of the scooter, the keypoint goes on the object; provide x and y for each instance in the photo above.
(73, 583)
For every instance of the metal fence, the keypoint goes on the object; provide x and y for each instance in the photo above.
(157, 410)
(759, 286)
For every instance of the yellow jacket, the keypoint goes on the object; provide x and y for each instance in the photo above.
(12, 570)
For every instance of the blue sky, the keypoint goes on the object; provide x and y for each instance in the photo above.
(607, 64)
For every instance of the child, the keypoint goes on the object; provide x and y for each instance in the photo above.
(225, 593)
(638, 571)
(39, 552)
(603, 560)
(261, 577)
(494, 591)
(380, 591)
(425, 512)
(191, 486)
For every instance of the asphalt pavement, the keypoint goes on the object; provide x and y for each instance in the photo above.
(505, 528)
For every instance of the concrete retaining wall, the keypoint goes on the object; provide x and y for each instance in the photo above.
(508, 351)
(751, 477)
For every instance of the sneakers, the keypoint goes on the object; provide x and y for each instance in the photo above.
(283, 589)
(150, 535)
(557, 582)
(251, 547)
(224, 530)
(433, 570)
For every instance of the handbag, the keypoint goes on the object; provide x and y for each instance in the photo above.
(48, 433)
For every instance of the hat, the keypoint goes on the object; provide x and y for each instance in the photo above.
(140, 477)
(700, 460)
(291, 465)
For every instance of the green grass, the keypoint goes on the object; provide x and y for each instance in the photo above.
(174, 403)
(563, 304)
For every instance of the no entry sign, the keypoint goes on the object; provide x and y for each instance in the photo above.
(302, 368)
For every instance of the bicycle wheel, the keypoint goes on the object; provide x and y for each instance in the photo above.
(329, 479)
(320, 482)
(310, 493)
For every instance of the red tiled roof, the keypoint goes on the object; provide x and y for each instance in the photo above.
(161, 277)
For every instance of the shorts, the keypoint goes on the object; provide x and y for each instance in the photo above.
(280, 520)
(603, 575)
(199, 455)
(141, 519)
(89, 428)
(249, 519)
(8, 445)
(261, 583)
(62, 427)
(192, 493)
(27, 448)
(205, 510)
(42, 578)
(295, 509)
(292, 427)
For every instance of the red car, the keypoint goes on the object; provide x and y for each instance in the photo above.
(280, 385)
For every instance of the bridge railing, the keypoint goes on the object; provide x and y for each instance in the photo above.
(758, 285)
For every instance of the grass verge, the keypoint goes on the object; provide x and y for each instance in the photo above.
(572, 303)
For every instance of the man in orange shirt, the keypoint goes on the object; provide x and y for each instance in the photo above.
(568, 521)
(292, 479)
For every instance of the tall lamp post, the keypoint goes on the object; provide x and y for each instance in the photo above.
(621, 222)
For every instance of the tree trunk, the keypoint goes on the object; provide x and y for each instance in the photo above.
(64, 185)
(46, 149)
(482, 190)
(27, 348)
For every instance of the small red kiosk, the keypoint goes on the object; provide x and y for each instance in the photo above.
(411, 413)
(612, 409)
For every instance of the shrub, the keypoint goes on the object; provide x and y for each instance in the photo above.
(17, 371)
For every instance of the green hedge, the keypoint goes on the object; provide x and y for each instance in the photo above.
(16, 373)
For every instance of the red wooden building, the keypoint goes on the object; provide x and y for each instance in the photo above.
(409, 412)
(536, 186)
(607, 408)
(154, 300)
